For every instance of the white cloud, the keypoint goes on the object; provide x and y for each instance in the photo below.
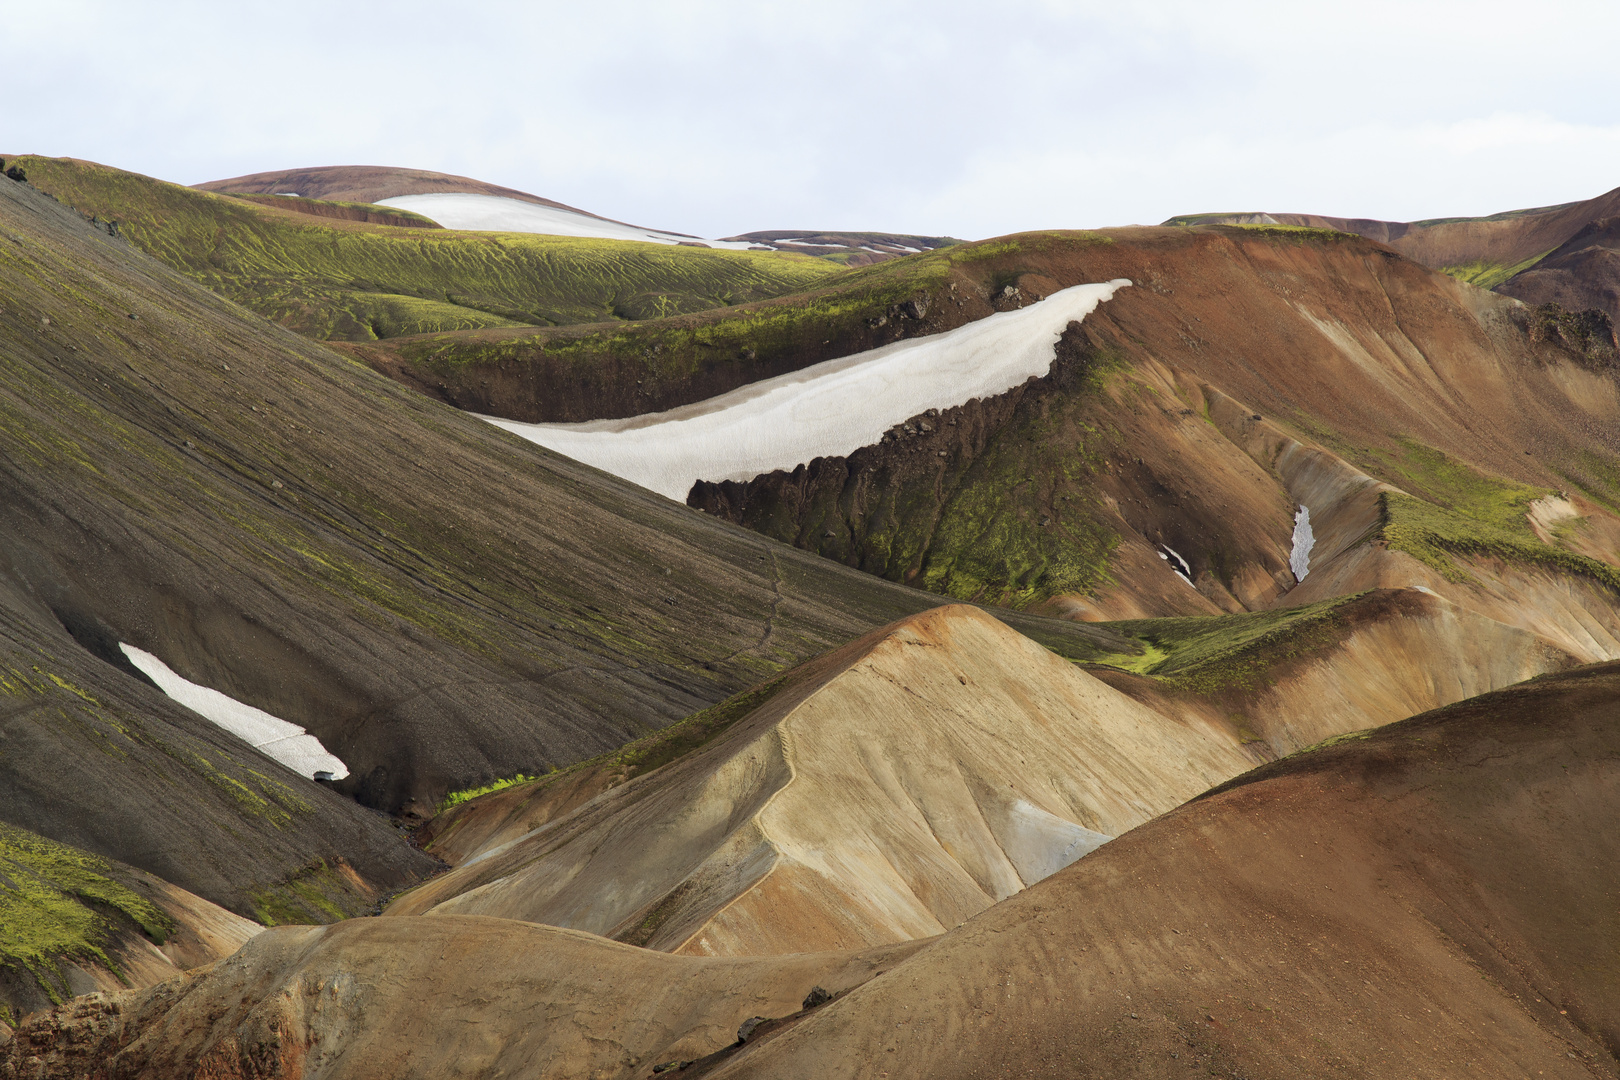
(721, 116)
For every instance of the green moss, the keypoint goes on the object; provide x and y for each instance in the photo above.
(650, 751)
(354, 281)
(1488, 274)
(1335, 740)
(59, 904)
(318, 893)
(456, 798)
(1454, 509)
(1206, 654)
(1298, 234)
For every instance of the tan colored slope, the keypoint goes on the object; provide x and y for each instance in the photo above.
(931, 769)
(1505, 239)
(203, 932)
(1434, 901)
(1382, 657)
(427, 999)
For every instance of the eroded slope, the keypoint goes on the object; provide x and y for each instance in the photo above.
(887, 792)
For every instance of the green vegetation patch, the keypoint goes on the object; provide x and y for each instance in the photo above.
(1207, 653)
(59, 904)
(650, 751)
(1463, 511)
(355, 281)
(1488, 274)
(1298, 234)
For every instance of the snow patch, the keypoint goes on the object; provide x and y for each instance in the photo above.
(496, 213)
(1177, 563)
(287, 743)
(1039, 844)
(1299, 560)
(827, 410)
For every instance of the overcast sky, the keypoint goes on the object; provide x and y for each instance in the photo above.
(969, 119)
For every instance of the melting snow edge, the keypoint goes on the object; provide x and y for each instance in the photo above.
(828, 410)
(287, 743)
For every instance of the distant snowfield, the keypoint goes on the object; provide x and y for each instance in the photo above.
(828, 410)
(496, 213)
(270, 735)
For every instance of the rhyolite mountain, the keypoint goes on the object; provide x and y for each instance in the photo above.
(1421, 900)
(1564, 254)
(690, 736)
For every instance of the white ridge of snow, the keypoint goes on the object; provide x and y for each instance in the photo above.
(1177, 563)
(826, 410)
(497, 213)
(1299, 560)
(287, 743)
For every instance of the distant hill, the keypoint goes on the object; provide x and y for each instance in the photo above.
(849, 248)
(1496, 250)
(355, 271)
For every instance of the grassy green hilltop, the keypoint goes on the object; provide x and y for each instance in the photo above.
(335, 279)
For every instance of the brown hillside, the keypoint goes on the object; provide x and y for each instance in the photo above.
(1248, 371)
(367, 184)
(894, 788)
(1435, 900)
(1432, 900)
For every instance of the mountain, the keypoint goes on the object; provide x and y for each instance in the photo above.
(436, 603)
(883, 793)
(357, 271)
(1507, 252)
(1249, 372)
(1418, 900)
(847, 248)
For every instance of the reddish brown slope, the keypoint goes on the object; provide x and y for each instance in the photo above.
(1437, 900)
(366, 184)
(1505, 239)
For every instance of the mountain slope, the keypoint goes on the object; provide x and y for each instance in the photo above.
(330, 278)
(439, 603)
(883, 793)
(1502, 251)
(1366, 907)
(74, 922)
(1428, 900)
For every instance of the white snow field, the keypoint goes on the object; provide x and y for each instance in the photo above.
(827, 410)
(270, 735)
(1299, 560)
(496, 213)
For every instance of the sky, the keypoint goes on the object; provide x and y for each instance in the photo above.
(941, 118)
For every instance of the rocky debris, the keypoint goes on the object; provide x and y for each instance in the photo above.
(748, 1027)
(16, 173)
(915, 308)
(1588, 334)
(817, 996)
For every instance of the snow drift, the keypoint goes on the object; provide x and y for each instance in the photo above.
(270, 735)
(827, 410)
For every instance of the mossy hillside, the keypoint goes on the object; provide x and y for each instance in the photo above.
(62, 905)
(348, 211)
(992, 502)
(354, 281)
(1454, 509)
(847, 312)
(647, 753)
(1488, 274)
(1209, 654)
(1295, 234)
